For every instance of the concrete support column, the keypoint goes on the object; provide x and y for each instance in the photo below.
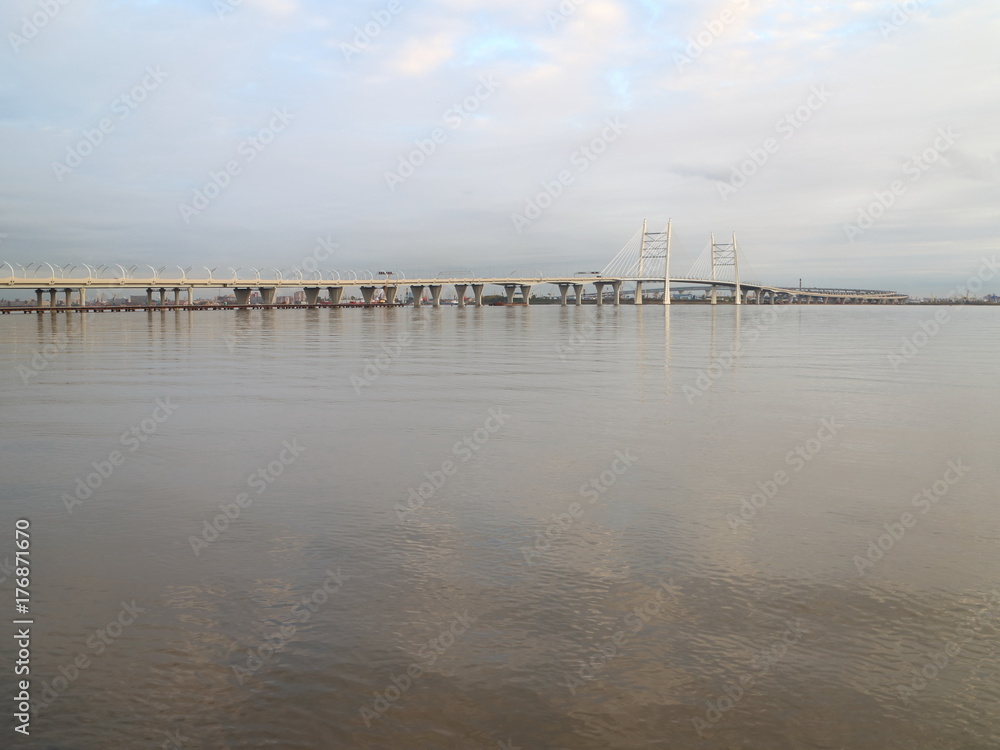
(526, 293)
(477, 290)
(38, 298)
(177, 296)
(335, 292)
(83, 296)
(599, 286)
(149, 298)
(417, 290)
(715, 299)
(563, 293)
(638, 292)
(52, 299)
(435, 294)
(242, 295)
(460, 292)
(367, 292)
(267, 295)
(616, 286)
(511, 290)
(190, 296)
(578, 291)
(312, 295)
(163, 296)
(390, 295)
(69, 296)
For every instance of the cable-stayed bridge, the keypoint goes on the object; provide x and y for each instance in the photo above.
(643, 262)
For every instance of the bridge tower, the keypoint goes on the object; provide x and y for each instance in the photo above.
(655, 247)
(640, 261)
(726, 254)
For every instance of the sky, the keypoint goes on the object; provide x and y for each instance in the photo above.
(851, 144)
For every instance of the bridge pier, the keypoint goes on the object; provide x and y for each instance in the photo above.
(511, 290)
(477, 290)
(715, 298)
(367, 292)
(335, 292)
(599, 285)
(417, 290)
(163, 296)
(52, 299)
(616, 287)
(563, 293)
(578, 294)
(312, 294)
(69, 297)
(638, 292)
(435, 294)
(460, 293)
(242, 295)
(390, 295)
(190, 296)
(267, 295)
(526, 293)
(38, 298)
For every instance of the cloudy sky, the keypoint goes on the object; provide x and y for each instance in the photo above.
(853, 143)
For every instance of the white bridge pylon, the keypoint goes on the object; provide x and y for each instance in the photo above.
(645, 257)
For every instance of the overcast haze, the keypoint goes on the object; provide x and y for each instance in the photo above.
(868, 86)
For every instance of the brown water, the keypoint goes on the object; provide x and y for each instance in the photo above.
(580, 571)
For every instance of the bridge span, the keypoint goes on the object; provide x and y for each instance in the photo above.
(645, 260)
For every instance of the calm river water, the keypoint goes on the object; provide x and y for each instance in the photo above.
(574, 528)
